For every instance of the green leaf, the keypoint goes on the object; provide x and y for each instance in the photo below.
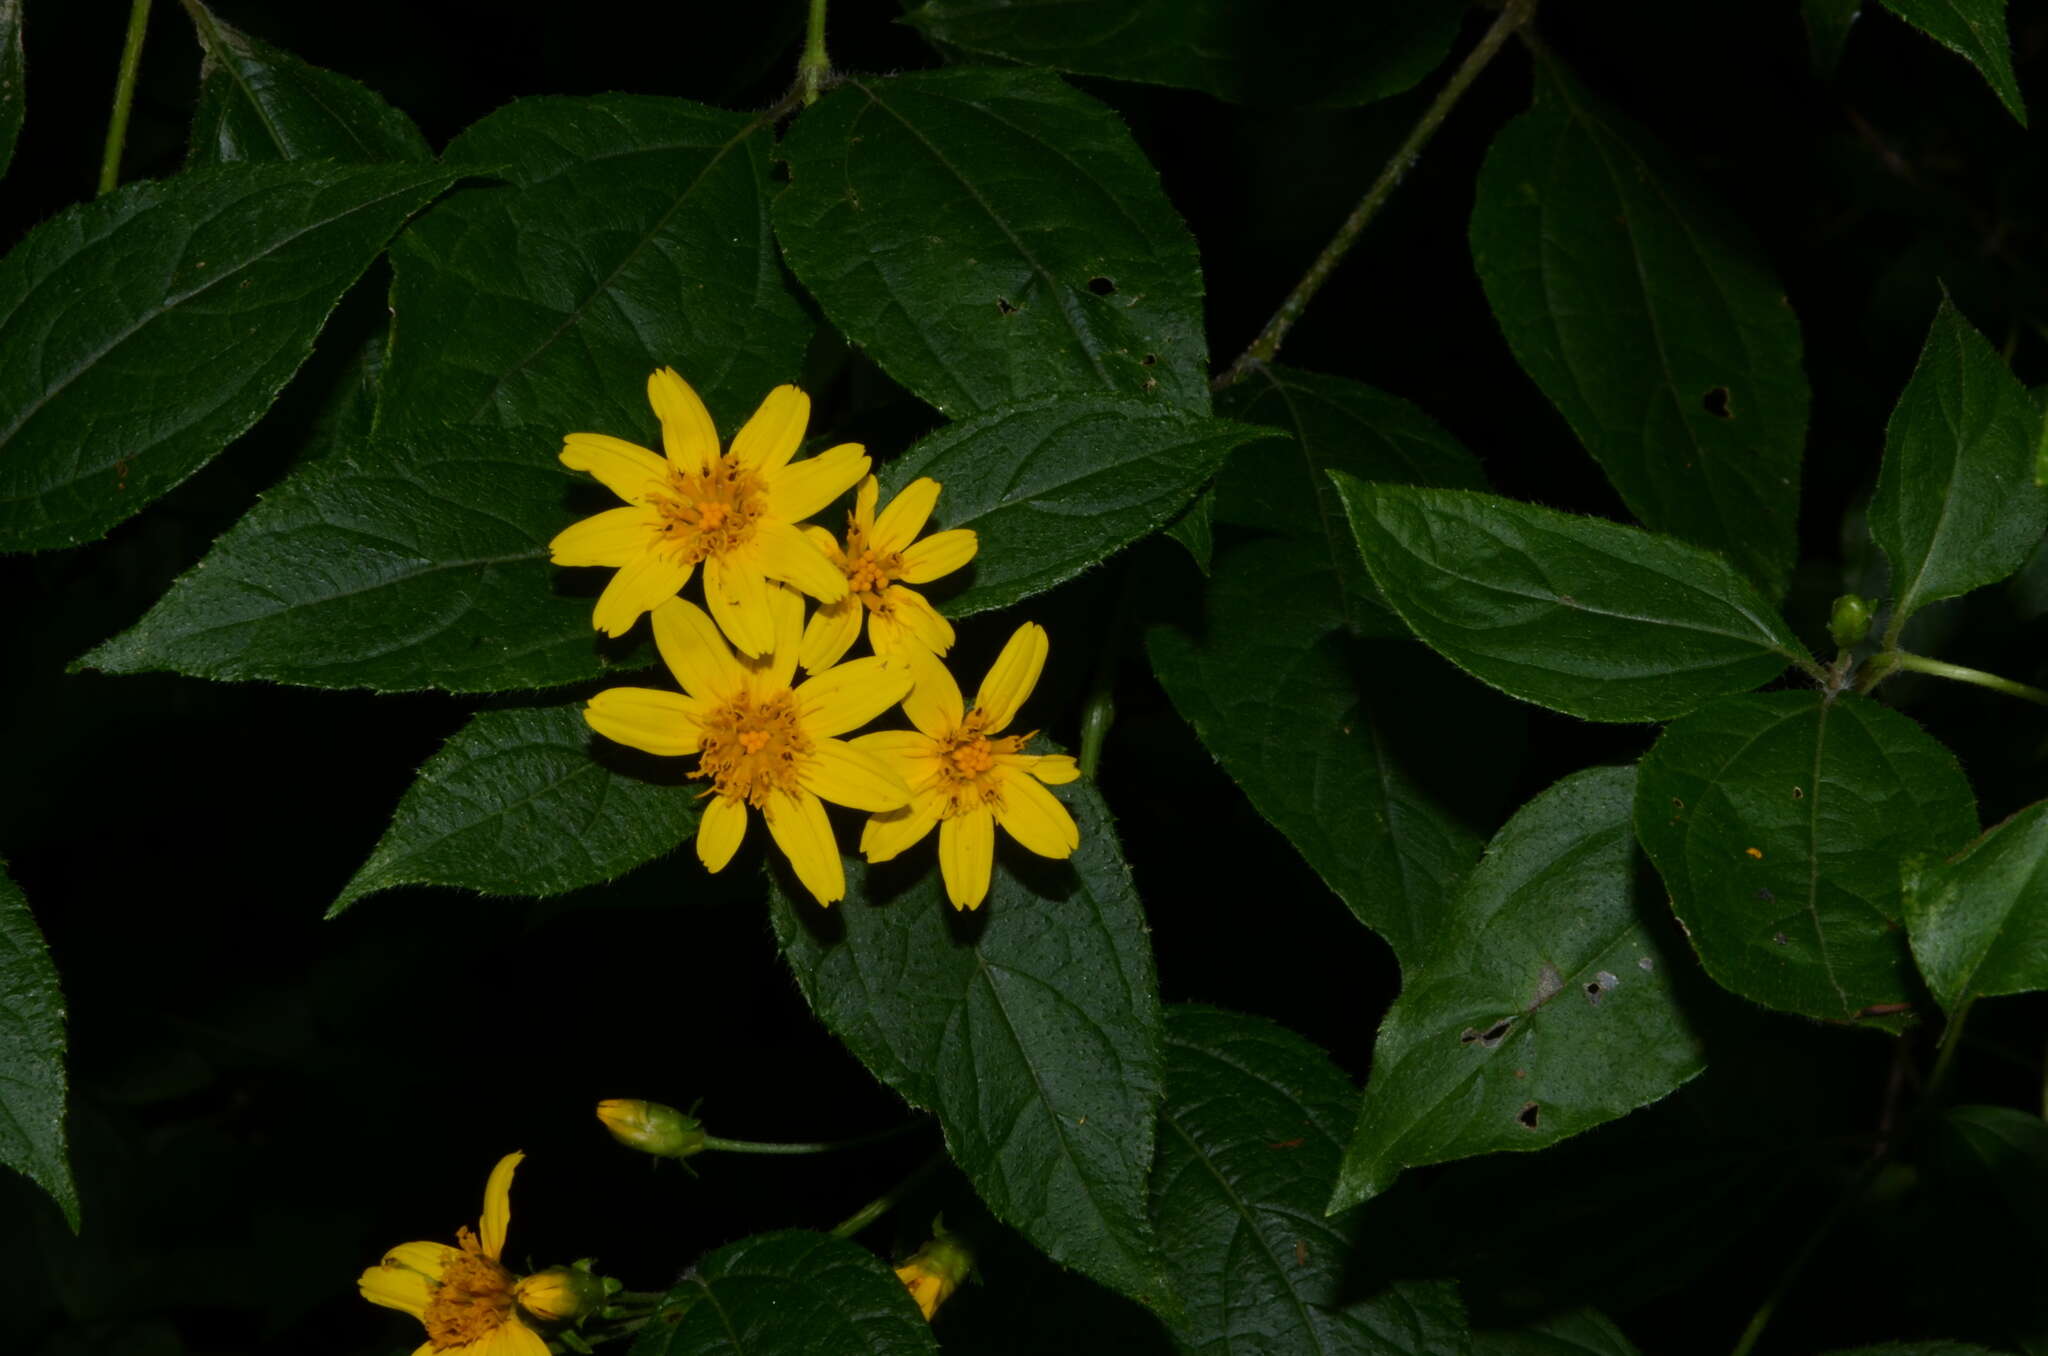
(1577, 614)
(1652, 320)
(148, 329)
(2000, 1155)
(1272, 688)
(787, 1292)
(1827, 31)
(13, 74)
(1543, 1007)
(1030, 1026)
(1920, 1349)
(31, 1055)
(1975, 31)
(1194, 530)
(1290, 53)
(259, 103)
(1779, 821)
(395, 565)
(634, 234)
(992, 236)
(1335, 424)
(524, 803)
(1579, 1332)
(1249, 1139)
(1956, 506)
(1057, 485)
(1979, 923)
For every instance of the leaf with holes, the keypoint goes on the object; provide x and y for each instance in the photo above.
(633, 234)
(1333, 424)
(787, 1292)
(13, 74)
(259, 103)
(1544, 1007)
(32, 1055)
(394, 565)
(1272, 686)
(1652, 320)
(521, 803)
(146, 330)
(1060, 484)
(1956, 505)
(1287, 53)
(1979, 922)
(1779, 821)
(1577, 614)
(1975, 31)
(991, 236)
(1031, 1027)
(1249, 1139)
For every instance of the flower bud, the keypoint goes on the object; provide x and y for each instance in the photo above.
(1849, 623)
(651, 1127)
(935, 1270)
(561, 1294)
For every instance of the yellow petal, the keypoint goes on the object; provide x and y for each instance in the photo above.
(640, 584)
(396, 1288)
(887, 836)
(1029, 813)
(967, 853)
(830, 634)
(934, 704)
(737, 596)
(906, 515)
(939, 554)
(844, 775)
(772, 436)
(628, 470)
(864, 497)
(612, 538)
(799, 490)
(687, 432)
(428, 1259)
(511, 1338)
(827, 544)
(695, 652)
(910, 620)
(1013, 675)
(498, 1205)
(850, 695)
(909, 749)
(648, 718)
(790, 556)
(720, 830)
(773, 671)
(1054, 769)
(799, 826)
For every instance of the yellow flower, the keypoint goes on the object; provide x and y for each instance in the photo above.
(737, 512)
(966, 780)
(935, 1270)
(878, 552)
(761, 742)
(928, 1288)
(468, 1301)
(652, 1127)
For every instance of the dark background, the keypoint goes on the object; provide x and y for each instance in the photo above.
(263, 1102)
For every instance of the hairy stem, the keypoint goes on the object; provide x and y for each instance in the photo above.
(124, 96)
(755, 1146)
(1900, 659)
(1514, 14)
(814, 66)
(1945, 1053)
(887, 1201)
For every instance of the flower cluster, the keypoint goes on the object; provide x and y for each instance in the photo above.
(761, 739)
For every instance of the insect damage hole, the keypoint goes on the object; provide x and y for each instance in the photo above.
(1526, 1117)
(1003, 305)
(1715, 402)
(1488, 1038)
(1101, 286)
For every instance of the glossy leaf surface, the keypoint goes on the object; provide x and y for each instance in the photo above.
(32, 1055)
(1979, 922)
(787, 1292)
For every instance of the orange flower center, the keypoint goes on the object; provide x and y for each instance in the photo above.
(751, 747)
(869, 572)
(708, 513)
(968, 774)
(473, 1300)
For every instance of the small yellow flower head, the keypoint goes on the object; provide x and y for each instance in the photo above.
(652, 1127)
(879, 551)
(759, 741)
(936, 1270)
(966, 777)
(560, 1295)
(736, 512)
(463, 1295)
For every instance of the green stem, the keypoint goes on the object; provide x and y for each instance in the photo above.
(1762, 1317)
(124, 96)
(887, 1201)
(754, 1146)
(1945, 1053)
(1266, 347)
(1956, 672)
(813, 67)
